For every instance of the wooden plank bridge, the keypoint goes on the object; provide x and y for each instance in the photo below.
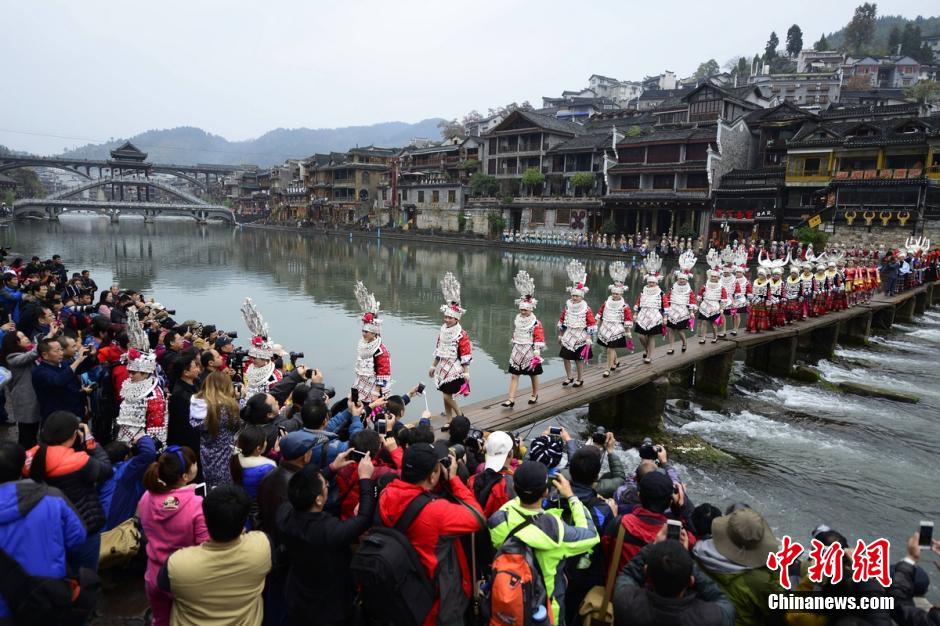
(638, 389)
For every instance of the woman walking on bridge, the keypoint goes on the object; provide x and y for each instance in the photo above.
(528, 341)
(453, 353)
(615, 318)
(577, 325)
(680, 303)
(649, 307)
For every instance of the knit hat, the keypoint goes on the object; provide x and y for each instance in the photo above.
(546, 450)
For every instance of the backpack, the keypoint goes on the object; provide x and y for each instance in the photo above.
(516, 594)
(40, 600)
(393, 586)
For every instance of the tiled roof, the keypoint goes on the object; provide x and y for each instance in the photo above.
(679, 135)
(583, 143)
(545, 122)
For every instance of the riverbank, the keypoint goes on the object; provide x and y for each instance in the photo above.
(447, 239)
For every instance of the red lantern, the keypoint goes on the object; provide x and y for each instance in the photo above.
(740, 215)
(718, 212)
(750, 215)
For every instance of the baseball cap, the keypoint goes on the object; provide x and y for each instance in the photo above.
(531, 477)
(419, 461)
(222, 340)
(294, 445)
(498, 447)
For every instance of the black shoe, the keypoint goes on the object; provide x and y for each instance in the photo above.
(508, 404)
(533, 399)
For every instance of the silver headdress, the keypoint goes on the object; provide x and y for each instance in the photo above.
(727, 256)
(261, 345)
(917, 246)
(653, 264)
(450, 287)
(618, 271)
(773, 267)
(713, 260)
(525, 285)
(140, 358)
(578, 277)
(686, 263)
(370, 309)
(740, 259)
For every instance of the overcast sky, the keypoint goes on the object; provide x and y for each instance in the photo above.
(91, 70)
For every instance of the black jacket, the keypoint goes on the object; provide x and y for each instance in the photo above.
(77, 475)
(323, 593)
(902, 590)
(272, 493)
(179, 430)
(703, 605)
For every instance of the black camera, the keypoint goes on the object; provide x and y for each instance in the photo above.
(231, 334)
(649, 451)
(170, 311)
(295, 355)
(599, 436)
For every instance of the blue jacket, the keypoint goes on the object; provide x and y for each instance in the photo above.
(328, 436)
(11, 300)
(37, 527)
(57, 389)
(120, 493)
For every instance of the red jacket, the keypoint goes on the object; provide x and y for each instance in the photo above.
(501, 492)
(641, 526)
(347, 479)
(439, 522)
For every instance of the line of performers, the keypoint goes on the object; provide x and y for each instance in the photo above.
(814, 287)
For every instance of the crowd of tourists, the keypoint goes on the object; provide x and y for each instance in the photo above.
(251, 494)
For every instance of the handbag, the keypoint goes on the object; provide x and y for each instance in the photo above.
(596, 608)
(120, 545)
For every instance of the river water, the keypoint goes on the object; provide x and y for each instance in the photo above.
(801, 454)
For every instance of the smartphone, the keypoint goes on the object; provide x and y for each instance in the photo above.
(201, 490)
(555, 430)
(380, 426)
(354, 395)
(925, 537)
(357, 456)
(672, 529)
(420, 387)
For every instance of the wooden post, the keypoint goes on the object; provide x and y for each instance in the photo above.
(637, 411)
(884, 318)
(904, 311)
(856, 330)
(920, 303)
(820, 343)
(712, 373)
(775, 357)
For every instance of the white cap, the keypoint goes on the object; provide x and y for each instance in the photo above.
(498, 447)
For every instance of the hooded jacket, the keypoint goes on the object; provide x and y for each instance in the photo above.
(702, 605)
(323, 594)
(641, 526)
(120, 493)
(432, 534)
(747, 588)
(77, 475)
(38, 525)
(550, 538)
(170, 521)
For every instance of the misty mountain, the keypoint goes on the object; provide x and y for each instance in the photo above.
(187, 145)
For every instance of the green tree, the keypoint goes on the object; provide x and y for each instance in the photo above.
(770, 50)
(810, 235)
(861, 29)
(894, 39)
(926, 55)
(496, 221)
(9, 197)
(924, 92)
(706, 69)
(483, 185)
(583, 181)
(794, 40)
(822, 44)
(756, 62)
(532, 178)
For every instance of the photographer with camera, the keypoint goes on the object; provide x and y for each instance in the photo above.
(56, 384)
(69, 460)
(435, 528)
(608, 482)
